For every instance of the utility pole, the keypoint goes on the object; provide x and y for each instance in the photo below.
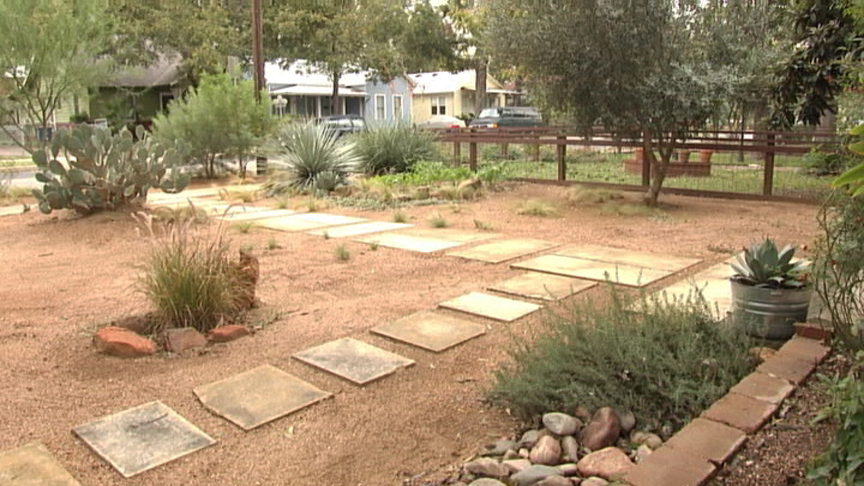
(258, 65)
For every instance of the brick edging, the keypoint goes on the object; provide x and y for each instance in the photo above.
(695, 454)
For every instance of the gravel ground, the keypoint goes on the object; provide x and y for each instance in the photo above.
(64, 277)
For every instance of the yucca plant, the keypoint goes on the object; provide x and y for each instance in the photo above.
(763, 265)
(315, 158)
(393, 148)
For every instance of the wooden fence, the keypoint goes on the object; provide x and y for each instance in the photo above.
(764, 144)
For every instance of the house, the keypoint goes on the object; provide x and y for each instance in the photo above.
(445, 93)
(302, 90)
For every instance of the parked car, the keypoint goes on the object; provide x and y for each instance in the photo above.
(442, 121)
(342, 124)
(508, 116)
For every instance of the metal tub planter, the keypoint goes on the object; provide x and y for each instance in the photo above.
(769, 313)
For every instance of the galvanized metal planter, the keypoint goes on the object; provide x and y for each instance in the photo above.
(769, 313)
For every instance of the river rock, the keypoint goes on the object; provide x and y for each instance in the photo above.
(610, 463)
(582, 414)
(568, 469)
(651, 440)
(486, 482)
(511, 454)
(516, 465)
(628, 422)
(561, 423)
(570, 448)
(499, 447)
(547, 451)
(602, 431)
(487, 467)
(533, 475)
(642, 452)
(594, 481)
(529, 438)
(554, 481)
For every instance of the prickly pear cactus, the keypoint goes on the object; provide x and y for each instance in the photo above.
(104, 171)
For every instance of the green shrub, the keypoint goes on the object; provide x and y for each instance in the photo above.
(190, 279)
(665, 364)
(315, 158)
(843, 462)
(493, 152)
(400, 217)
(393, 148)
(104, 171)
(828, 163)
(424, 174)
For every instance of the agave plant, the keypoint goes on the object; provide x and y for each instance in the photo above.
(763, 265)
(314, 156)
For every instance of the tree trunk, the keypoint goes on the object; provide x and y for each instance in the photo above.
(335, 108)
(658, 170)
(480, 85)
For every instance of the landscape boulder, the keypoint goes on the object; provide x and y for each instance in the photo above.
(223, 334)
(123, 343)
(184, 339)
(610, 463)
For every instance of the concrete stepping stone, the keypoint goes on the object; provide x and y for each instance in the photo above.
(491, 306)
(143, 437)
(11, 210)
(238, 214)
(258, 396)
(712, 283)
(33, 465)
(408, 242)
(593, 270)
(501, 251)
(628, 257)
(359, 229)
(543, 286)
(456, 236)
(184, 203)
(353, 360)
(431, 331)
(307, 221)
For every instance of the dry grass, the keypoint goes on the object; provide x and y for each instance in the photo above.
(436, 220)
(537, 207)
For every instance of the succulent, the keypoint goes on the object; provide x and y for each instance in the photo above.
(104, 171)
(763, 265)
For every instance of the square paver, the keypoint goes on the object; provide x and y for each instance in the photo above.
(593, 270)
(782, 366)
(407, 242)
(670, 467)
(353, 360)
(306, 221)
(709, 440)
(359, 229)
(247, 213)
(543, 286)
(142, 438)
(716, 293)
(431, 331)
(329, 219)
(491, 306)
(628, 257)
(501, 251)
(258, 396)
(741, 412)
(33, 465)
(457, 236)
(11, 210)
(763, 387)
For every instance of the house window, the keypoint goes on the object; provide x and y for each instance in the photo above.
(380, 112)
(397, 107)
(439, 105)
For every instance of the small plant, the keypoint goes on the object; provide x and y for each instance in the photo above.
(393, 148)
(243, 226)
(242, 195)
(482, 225)
(536, 207)
(373, 246)
(313, 205)
(282, 203)
(763, 265)
(400, 217)
(272, 244)
(436, 220)
(580, 195)
(326, 235)
(456, 209)
(342, 253)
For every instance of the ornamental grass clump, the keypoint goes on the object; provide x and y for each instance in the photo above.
(665, 363)
(393, 148)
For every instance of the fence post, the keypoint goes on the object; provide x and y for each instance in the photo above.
(768, 177)
(646, 158)
(472, 153)
(457, 153)
(535, 149)
(561, 150)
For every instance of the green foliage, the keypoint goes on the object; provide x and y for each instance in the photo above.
(665, 364)
(536, 207)
(217, 119)
(393, 148)
(429, 173)
(315, 158)
(342, 253)
(400, 217)
(839, 266)
(436, 220)
(104, 171)
(843, 462)
(821, 163)
(763, 265)
(854, 177)
(189, 277)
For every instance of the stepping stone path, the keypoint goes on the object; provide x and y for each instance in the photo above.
(247, 213)
(628, 257)
(33, 465)
(542, 286)
(306, 221)
(353, 360)
(407, 242)
(142, 438)
(593, 270)
(712, 283)
(359, 229)
(491, 306)
(456, 236)
(431, 331)
(258, 396)
(501, 251)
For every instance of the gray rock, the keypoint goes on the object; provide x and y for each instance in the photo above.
(499, 448)
(594, 481)
(554, 481)
(516, 465)
(628, 421)
(602, 431)
(533, 474)
(486, 482)
(568, 469)
(561, 423)
(529, 438)
(487, 467)
(546, 451)
(570, 448)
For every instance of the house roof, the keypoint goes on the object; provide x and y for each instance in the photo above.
(302, 72)
(165, 71)
(315, 90)
(447, 82)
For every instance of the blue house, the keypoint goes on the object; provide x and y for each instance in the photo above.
(302, 90)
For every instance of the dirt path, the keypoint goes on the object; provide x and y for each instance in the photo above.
(63, 278)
